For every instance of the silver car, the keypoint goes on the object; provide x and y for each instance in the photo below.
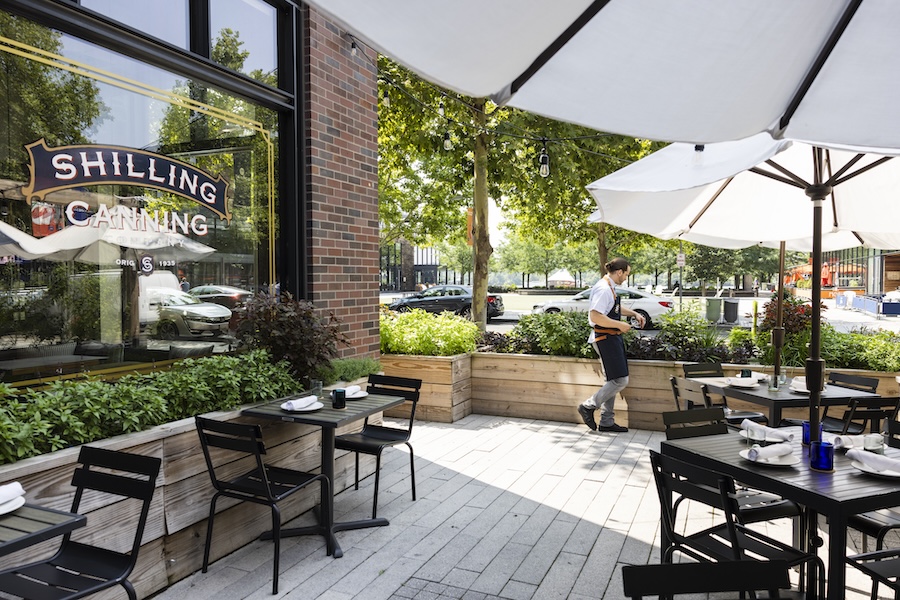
(181, 315)
(643, 303)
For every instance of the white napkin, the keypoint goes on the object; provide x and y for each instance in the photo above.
(11, 491)
(300, 403)
(849, 441)
(761, 452)
(771, 432)
(352, 390)
(874, 461)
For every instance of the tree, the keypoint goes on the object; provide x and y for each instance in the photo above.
(707, 263)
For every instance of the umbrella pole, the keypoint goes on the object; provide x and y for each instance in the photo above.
(815, 366)
(778, 330)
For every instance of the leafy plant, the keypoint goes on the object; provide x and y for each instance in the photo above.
(419, 332)
(74, 412)
(293, 331)
(554, 334)
(349, 369)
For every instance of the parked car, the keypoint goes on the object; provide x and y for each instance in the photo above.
(646, 304)
(174, 313)
(452, 298)
(225, 295)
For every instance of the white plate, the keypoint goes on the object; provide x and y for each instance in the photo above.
(308, 408)
(770, 439)
(358, 395)
(11, 505)
(742, 382)
(867, 469)
(785, 460)
(798, 390)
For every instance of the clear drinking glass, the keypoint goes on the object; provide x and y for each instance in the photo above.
(782, 379)
(315, 387)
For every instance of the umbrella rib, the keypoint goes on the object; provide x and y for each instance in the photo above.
(709, 203)
(836, 179)
(817, 65)
(551, 50)
(789, 179)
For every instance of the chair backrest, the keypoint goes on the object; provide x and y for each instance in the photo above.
(676, 480)
(689, 395)
(232, 449)
(397, 386)
(704, 577)
(703, 370)
(854, 382)
(892, 433)
(871, 411)
(694, 423)
(118, 474)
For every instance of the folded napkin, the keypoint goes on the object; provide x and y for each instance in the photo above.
(300, 403)
(771, 432)
(762, 452)
(878, 462)
(849, 441)
(11, 491)
(352, 390)
(798, 384)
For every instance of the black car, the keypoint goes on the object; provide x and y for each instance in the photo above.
(452, 298)
(225, 295)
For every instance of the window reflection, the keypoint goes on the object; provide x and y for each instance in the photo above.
(163, 19)
(244, 37)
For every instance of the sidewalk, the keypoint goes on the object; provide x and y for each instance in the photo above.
(508, 508)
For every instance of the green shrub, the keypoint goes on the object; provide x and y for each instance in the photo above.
(419, 332)
(73, 412)
(554, 334)
(349, 369)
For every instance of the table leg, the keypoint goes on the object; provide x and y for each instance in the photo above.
(775, 415)
(837, 551)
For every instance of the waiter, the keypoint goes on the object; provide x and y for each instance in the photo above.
(605, 317)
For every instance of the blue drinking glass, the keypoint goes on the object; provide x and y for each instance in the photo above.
(805, 426)
(821, 456)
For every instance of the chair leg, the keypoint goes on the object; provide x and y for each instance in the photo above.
(129, 589)
(412, 470)
(276, 537)
(377, 475)
(356, 483)
(209, 530)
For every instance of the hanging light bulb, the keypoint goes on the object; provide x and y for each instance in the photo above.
(386, 99)
(545, 163)
(448, 143)
(697, 159)
(354, 50)
(441, 109)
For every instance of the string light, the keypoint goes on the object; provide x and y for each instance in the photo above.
(544, 161)
(354, 49)
(441, 109)
(448, 143)
(386, 99)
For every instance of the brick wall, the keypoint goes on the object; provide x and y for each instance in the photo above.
(342, 180)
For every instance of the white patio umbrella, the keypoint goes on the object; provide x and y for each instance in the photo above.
(696, 71)
(18, 243)
(735, 194)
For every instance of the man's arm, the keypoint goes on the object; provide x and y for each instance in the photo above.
(602, 320)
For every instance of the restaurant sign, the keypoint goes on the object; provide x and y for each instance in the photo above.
(67, 167)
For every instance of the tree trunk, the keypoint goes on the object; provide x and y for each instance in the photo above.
(482, 241)
(602, 250)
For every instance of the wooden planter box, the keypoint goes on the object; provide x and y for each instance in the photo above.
(446, 394)
(173, 541)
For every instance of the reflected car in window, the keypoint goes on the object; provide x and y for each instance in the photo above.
(648, 305)
(453, 298)
(225, 295)
(179, 314)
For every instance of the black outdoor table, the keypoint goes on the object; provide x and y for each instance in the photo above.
(329, 419)
(32, 524)
(783, 398)
(837, 495)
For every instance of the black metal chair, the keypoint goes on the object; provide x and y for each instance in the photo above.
(237, 446)
(730, 540)
(755, 506)
(373, 439)
(843, 425)
(878, 523)
(691, 394)
(745, 576)
(734, 417)
(78, 569)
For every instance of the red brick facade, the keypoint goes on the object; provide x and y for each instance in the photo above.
(342, 183)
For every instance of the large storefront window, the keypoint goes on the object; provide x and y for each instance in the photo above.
(252, 22)
(128, 197)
